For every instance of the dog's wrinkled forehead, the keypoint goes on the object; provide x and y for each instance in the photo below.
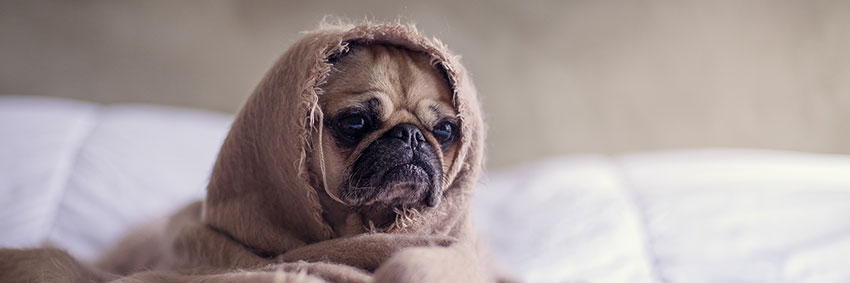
(398, 84)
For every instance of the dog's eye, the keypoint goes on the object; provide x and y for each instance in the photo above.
(444, 132)
(353, 126)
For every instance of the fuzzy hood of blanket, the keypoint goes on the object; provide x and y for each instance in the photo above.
(260, 193)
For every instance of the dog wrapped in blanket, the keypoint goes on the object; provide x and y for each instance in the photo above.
(354, 160)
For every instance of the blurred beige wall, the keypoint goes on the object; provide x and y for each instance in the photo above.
(556, 77)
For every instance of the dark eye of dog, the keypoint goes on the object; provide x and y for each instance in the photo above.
(353, 126)
(444, 133)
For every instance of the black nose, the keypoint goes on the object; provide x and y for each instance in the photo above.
(408, 133)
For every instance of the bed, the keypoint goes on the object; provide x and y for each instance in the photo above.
(77, 175)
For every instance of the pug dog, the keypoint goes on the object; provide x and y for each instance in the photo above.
(392, 132)
(382, 142)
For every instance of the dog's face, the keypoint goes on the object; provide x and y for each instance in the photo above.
(391, 130)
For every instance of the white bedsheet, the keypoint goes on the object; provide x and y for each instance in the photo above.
(77, 175)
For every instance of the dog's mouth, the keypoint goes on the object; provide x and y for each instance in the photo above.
(401, 185)
(393, 174)
(410, 168)
(406, 184)
(407, 172)
(399, 188)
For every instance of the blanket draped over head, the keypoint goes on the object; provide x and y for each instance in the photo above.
(263, 219)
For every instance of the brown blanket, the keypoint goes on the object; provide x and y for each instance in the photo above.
(263, 220)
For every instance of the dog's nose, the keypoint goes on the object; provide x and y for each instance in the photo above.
(408, 133)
